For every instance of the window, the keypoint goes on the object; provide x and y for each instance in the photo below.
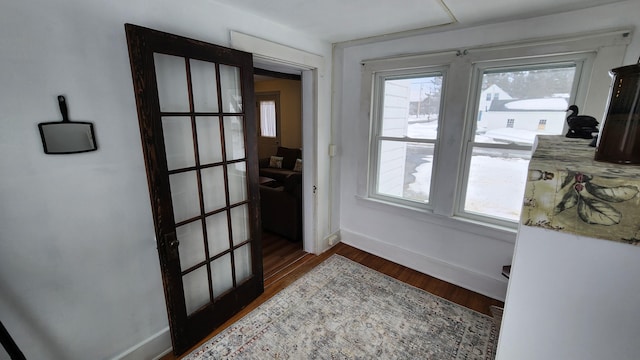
(267, 118)
(406, 134)
(496, 169)
(511, 122)
(542, 124)
(452, 132)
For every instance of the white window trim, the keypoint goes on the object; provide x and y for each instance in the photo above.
(608, 49)
(376, 123)
(583, 65)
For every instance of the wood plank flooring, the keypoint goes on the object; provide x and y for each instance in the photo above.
(278, 253)
(285, 275)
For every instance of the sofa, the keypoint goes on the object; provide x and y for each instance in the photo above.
(287, 164)
(281, 198)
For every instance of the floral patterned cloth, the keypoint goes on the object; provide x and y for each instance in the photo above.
(568, 191)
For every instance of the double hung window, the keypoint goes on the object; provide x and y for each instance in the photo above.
(452, 132)
(409, 103)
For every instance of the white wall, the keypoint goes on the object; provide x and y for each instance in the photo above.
(465, 254)
(79, 274)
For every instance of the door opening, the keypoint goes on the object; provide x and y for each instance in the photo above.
(279, 109)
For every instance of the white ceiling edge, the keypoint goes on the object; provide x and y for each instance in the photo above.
(455, 26)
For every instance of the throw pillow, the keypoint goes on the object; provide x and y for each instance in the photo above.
(275, 162)
(298, 165)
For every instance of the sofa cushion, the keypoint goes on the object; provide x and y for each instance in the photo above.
(275, 162)
(289, 156)
(298, 166)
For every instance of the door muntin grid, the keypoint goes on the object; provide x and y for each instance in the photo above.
(206, 159)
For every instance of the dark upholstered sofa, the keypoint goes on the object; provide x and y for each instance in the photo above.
(289, 157)
(281, 199)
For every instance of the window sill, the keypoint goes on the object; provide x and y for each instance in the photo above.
(475, 227)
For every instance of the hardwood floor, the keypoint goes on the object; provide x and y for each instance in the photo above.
(278, 253)
(290, 273)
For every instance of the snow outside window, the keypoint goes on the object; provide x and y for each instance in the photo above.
(452, 132)
(496, 169)
(406, 135)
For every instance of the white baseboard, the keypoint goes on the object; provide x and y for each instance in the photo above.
(452, 273)
(155, 347)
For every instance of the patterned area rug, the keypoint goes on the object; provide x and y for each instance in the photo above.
(343, 310)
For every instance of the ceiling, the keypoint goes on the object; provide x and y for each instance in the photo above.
(344, 20)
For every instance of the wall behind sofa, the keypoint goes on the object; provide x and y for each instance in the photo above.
(290, 109)
(79, 274)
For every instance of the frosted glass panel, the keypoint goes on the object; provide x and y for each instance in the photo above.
(221, 275)
(184, 194)
(196, 289)
(209, 140)
(203, 85)
(237, 174)
(240, 224)
(213, 188)
(191, 244)
(242, 258)
(231, 89)
(234, 137)
(217, 233)
(178, 142)
(171, 74)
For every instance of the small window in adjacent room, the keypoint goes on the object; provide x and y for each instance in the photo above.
(268, 118)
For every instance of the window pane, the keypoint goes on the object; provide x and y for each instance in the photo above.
(171, 75)
(196, 289)
(411, 107)
(231, 89)
(513, 104)
(497, 179)
(268, 118)
(404, 170)
(178, 142)
(234, 137)
(203, 86)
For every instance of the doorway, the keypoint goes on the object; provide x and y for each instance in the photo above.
(279, 112)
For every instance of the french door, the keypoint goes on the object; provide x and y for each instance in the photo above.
(197, 122)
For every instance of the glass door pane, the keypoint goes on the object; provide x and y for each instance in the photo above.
(178, 142)
(209, 144)
(191, 244)
(203, 85)
(196, 289)
(243, 263)
(231, 89)
(234, 137)
(221, 275)
(184, 195)
(218, 233)
(171, 75)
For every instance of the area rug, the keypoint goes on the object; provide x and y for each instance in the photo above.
(344, 310)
